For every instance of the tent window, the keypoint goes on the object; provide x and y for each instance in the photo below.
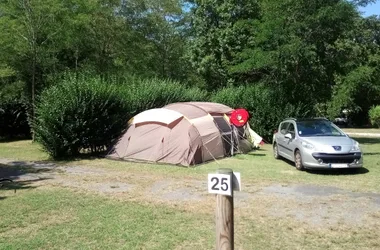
(223, 126)
(225, 130)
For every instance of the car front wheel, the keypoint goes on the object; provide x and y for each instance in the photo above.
(275, 151)
(298, 161)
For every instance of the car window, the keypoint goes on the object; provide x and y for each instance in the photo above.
(291, 129)
(283, 127)
(317, 128)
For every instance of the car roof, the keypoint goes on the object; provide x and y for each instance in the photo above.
(306, 119)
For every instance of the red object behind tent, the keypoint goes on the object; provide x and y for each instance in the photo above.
(239, 117)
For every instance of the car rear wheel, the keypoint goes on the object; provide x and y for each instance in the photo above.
(298, 161)
(275, 151)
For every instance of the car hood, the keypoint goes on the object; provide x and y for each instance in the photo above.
(329, 140)
(326, 143)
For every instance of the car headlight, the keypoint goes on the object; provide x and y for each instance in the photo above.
(355, 147)
(307, 145)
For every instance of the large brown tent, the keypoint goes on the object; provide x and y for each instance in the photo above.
(185, 133)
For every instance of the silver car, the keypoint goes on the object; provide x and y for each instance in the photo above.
(316, 144)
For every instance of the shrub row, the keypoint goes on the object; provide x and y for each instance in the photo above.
(143, 94)
(87, 114)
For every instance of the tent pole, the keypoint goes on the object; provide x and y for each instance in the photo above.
(232, 140)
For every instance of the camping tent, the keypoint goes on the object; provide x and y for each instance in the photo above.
(185, 133)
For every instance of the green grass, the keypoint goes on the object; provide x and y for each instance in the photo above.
(61, 219)
(258, 166)
(55, 217)
(22, 150)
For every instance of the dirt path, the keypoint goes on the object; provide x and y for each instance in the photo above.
(316, 206)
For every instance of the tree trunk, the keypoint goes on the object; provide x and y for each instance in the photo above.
(33, 90)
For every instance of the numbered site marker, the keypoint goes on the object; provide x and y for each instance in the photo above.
(223, 184)
(219, 184)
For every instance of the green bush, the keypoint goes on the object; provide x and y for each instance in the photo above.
(88, 113)
(266, 106)
(79, 114)
(143, 94)
(374, 116)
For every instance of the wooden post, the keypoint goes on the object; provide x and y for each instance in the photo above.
(225, 217)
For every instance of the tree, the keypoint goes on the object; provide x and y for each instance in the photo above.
(357, 84)
(158, 38)
(220, 30)
(30, 26)
(293, 48)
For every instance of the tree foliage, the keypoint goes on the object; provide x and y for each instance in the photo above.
(322, 48)
(44, 38)
(293, 48)
(221, 29)
(321, 55)
(357, 86)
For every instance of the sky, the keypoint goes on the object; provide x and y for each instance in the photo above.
(371, 9)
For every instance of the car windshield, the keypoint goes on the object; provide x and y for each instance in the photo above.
(317, 128)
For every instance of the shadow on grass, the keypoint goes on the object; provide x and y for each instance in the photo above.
(345, 171)
(333, 171)
(256, 154)
(367, 140)
(14, 139)
(377, 153)
(80, 157)
(260, 149)
(19, 185)
(22, 174)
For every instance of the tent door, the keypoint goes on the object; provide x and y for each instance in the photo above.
(226, 138)
(197, 157)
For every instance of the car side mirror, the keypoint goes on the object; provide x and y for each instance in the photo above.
(289, 136)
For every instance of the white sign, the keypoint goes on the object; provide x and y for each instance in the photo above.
(221, 183)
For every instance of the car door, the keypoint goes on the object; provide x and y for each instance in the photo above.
(281, 138)
(290, 143)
